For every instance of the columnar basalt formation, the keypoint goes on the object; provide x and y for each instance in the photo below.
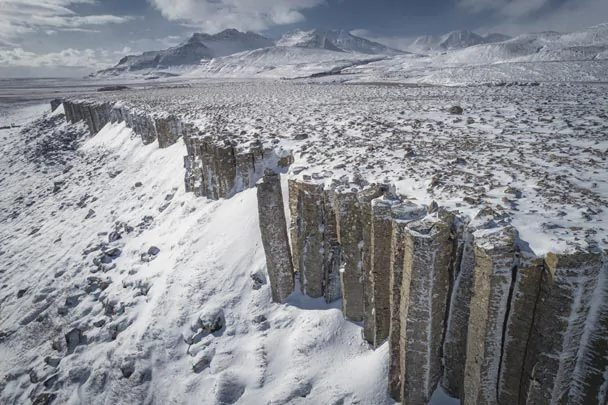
(365, 199)
(492, 280)
(559, 330)
(425, 286)
(216, 166)
(455, 343)
(460, 298)
(317, 256)
(273, 228)
(350, 237)
(402, 214)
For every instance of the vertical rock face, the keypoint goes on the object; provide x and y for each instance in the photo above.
(365, 199)
(455, 343)
(273, 227)
(55, 103)
(591, 372)
(332, 251)
(492, 280)
(350, 237)
(424, 297)
(317, 255)
(307, 203)
(521, 307)
(402, 215)
(559, 330)
(169, 130)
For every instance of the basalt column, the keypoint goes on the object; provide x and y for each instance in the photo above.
(332, 251)
(424, 297)
(365, 199)
(523, 298)
(559, 332)
(349, 231)
(402, 215)
(315, 250)
(168, 129)
(492, 280)
(455, 342)
(591, 372)
(273, 227)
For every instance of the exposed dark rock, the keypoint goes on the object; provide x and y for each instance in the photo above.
(455, 110)
(74, 338)
(52, 361)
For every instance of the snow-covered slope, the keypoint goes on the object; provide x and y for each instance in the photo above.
(281, 62)
(335, 40)
(454, 40)
(198, 47)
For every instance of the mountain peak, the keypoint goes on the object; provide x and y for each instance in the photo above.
(334, 40)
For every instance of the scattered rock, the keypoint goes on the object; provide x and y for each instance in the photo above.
(49, 382)
(100, 323)
(73, 339)
(455, 110)
(138, 184)
(127, 370)
(90, 214)
(21, 292)
(52, 361)
(259, 280)
(46, 398)
(300, 137)
(153, 251)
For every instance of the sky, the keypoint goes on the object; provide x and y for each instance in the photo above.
(76, 37)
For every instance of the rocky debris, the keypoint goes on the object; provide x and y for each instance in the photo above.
(273, 228)
(46, 398)
(50, 382)
(259, 280)
(210, 322)
(457, 110)
(52, 361)
(21, 292)
(73, 339)
(150, 255)
(127, 369)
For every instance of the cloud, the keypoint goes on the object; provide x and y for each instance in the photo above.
(517, 16)
(21, 17)
(68, 58)
(216, 15)
(508, 8)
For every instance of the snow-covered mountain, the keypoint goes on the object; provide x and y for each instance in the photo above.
(454, 40)
(335, 40)
(198, 47)
(282, 62)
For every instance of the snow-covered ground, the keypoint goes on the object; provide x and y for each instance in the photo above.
(162, 296)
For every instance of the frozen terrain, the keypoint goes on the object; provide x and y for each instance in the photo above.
(80, 219)
(118, 287)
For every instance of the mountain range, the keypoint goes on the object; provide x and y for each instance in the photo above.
(232, 53)
(454, 40)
